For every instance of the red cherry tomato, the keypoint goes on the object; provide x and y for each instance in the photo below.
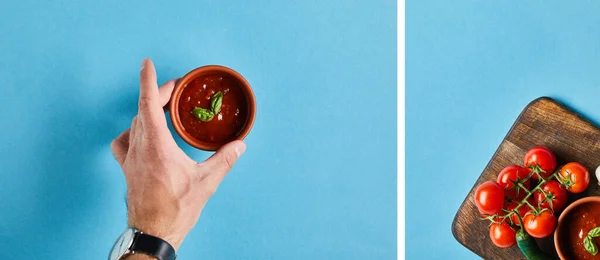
(543, 158)
(539, 226)
(575, 177)
(507, 178)
(521, 211)
(557, 196)
(502, 235)
(489, 198)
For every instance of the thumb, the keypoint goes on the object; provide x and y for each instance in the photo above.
(223, 160)
(120, 146)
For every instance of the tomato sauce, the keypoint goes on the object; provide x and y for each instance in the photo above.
(226, 124)
(576, 227)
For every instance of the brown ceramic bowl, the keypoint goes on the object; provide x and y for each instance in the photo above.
(563, 222)
(198, 74)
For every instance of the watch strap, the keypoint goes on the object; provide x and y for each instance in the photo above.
(152, 246)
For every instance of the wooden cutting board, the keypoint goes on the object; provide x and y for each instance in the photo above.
(543, 122)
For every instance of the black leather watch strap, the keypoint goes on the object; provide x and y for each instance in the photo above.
(152, 246)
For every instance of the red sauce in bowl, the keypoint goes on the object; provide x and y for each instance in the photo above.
(225, 125)
(576, 225)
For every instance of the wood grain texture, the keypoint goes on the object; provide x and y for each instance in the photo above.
(543, 122)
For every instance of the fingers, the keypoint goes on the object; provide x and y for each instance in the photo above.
(120, 146)
(149, 107)
(135, 125)
(223, 160)
(164, 92)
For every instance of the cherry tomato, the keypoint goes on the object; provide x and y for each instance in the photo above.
(539, 226)
(557, 196)
(502, 235)
(489, 198)
(508, 176)
(575, 177)
(521, 211)
(543, 158)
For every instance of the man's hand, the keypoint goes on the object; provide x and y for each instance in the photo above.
(166, 190)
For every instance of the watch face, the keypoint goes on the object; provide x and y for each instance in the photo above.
(122, 244)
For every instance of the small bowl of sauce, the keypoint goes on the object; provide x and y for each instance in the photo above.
(574, 225)
(212, 106)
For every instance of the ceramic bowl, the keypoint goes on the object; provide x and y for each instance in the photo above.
(200, 72)
(560, 226)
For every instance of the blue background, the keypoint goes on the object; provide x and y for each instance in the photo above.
(318, 180)
(471, 67)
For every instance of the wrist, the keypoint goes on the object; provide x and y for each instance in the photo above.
(173, 238)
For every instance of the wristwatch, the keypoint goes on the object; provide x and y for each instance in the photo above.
(133, 241)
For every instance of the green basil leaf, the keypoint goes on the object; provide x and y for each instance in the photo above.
(594, 232)
(204, 115)
(590, 246)
(216, 102)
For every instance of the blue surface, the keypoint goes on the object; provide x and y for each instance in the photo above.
(318, 180)
(471, 67)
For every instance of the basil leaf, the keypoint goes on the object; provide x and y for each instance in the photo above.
(216, 102)
(590, 246)
(203, 114)
(594, 232)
